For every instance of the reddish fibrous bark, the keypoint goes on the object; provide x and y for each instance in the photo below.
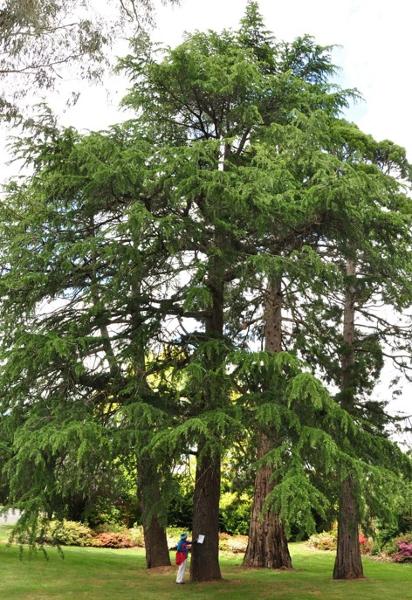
(348, 563)
(267, 546)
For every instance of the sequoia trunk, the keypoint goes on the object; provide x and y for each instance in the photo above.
(267, 545)
(348, 562)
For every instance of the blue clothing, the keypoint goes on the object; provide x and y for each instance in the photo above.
(183, 546)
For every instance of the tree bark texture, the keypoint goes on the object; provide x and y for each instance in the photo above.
(157, 551)
(205, 557)
(155, 540)
(348, 562)
(267, 545)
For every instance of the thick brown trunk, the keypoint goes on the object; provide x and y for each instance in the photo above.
(267, 545)
(155, 541)
(157, 551)
(348, 562)
(205, 557)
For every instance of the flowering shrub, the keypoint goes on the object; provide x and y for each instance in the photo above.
(72, 533)
(327, 540)
(404, 553)
(365, 543)
(400, 548)
(112, 540)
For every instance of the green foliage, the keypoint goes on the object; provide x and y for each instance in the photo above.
(297, 500)
(234, 513)
(61, 35)
(67, 533)
(180, 512)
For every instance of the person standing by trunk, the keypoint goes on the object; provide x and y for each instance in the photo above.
(183, 546)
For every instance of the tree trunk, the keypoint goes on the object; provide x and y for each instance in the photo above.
(205, 557)
(348, 562)
(267, 545)
(155, 540)
(76, 508)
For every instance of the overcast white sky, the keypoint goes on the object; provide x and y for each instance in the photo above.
(374, 54)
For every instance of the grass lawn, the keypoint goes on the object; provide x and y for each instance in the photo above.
(100, 574)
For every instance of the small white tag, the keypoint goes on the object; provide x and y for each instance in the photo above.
(200, 538)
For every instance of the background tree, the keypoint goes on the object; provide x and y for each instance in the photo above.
(311, 66)
(372, 256)
(76, 363)
(40, 39)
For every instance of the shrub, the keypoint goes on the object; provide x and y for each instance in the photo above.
(173, 535)
(232, 543)
(238, 544)
(224, 542)
(68, 533)
(400, 548)
(365, 543)
(326, 540)
(109, 528)
(404, 553)
(112, 540)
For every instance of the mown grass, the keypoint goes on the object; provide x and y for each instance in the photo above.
(100, 574)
